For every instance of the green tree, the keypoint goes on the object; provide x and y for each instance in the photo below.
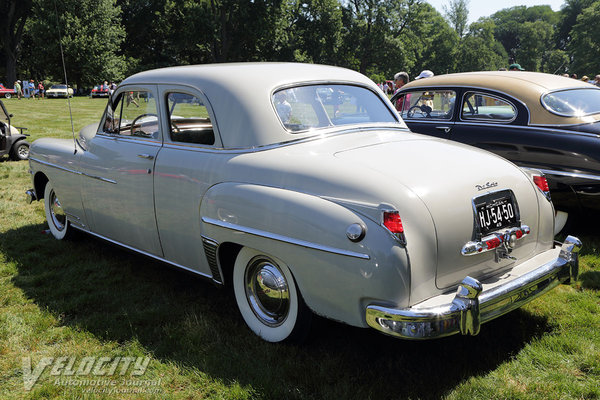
(90, 33)
(585, 43)
(479, 50)
(527, 34)
(457, 13)
(14, 16)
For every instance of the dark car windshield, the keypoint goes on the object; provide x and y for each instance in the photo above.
(573, 102)
(320, 106)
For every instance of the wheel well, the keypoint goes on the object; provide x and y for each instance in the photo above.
(227, 254)
(39, 184)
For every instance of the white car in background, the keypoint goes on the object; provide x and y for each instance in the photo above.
(59, 91)
(304, 190)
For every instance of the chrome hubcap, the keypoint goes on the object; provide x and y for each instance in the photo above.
(59, 218)
(23, 151)
(267, 291)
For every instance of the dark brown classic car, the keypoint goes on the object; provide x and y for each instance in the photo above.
(536, 120)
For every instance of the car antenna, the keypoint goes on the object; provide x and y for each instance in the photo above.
(62, 55)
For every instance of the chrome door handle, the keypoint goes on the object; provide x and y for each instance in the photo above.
(446, 129)
(146, 156)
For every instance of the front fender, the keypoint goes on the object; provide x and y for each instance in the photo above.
(336, 276)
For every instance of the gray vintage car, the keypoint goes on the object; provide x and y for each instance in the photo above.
(301, 187)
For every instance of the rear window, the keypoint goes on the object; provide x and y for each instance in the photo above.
(320, 106)
(573, 102)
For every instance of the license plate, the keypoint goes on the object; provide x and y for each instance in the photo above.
(496, 214)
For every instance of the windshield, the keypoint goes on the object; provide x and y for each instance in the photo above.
(320, 106)
(573, 102)
(58, 87)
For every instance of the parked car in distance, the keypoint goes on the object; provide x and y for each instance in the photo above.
(304, 191)
(100, 91)
(536, 120)
(6, 92)
(59, 91)
(12, 139)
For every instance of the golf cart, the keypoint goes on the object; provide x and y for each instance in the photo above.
(12, 138)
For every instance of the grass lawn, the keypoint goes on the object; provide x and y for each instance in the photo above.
(88, 298)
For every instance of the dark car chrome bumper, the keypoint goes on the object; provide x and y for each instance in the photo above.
(471, 307)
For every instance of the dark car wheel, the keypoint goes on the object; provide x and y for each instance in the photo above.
(20, 151)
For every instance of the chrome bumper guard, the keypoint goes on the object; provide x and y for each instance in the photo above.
(471, 307)
(31, 196)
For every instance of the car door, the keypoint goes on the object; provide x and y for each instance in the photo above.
(118, 192)
(191, 161)
(427, 111)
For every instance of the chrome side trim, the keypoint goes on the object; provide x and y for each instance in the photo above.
(536, 127)
(73, 171)
(285, 239)
(471, 306)
(570, 174)
(49, 164)
(158, 258)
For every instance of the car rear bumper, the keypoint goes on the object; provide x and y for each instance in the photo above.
(471, 306)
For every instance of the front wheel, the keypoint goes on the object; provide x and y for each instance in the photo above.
(268, 299)
(57, 219)
(20, 151)
(7, 95)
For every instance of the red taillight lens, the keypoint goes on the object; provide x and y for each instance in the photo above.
(542, 183)
(519, 234)
(392, 221)
(493, 243)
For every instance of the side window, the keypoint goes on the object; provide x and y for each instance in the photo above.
(430, 104)
(484, 107)
(138, 115)
(189, 120)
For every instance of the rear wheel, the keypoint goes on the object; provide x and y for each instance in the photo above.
(20, 151)
(57, 219)
(268, 299)
(7, 95)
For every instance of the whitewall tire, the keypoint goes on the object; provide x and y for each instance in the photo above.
(268, 299)
(55, 215)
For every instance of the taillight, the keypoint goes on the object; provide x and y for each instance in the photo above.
(393, 222)
(542, 184)
(493, 243)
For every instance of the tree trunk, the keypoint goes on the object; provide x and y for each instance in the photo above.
(11, 68)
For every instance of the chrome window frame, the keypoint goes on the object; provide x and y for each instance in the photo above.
(487, 120)
(550, 110)
(430, 119)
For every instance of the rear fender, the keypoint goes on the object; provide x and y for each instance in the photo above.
(336, 276)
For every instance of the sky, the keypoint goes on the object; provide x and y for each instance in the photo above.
(485, 8)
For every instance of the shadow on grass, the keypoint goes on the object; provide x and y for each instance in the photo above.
(93, 286)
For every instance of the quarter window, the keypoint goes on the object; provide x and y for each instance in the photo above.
(430, 104)
(484, 107)
(189, 120)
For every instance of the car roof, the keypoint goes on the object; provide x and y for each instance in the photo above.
(528, 87)
(240, 94)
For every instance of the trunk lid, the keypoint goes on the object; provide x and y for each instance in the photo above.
(447, 177)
